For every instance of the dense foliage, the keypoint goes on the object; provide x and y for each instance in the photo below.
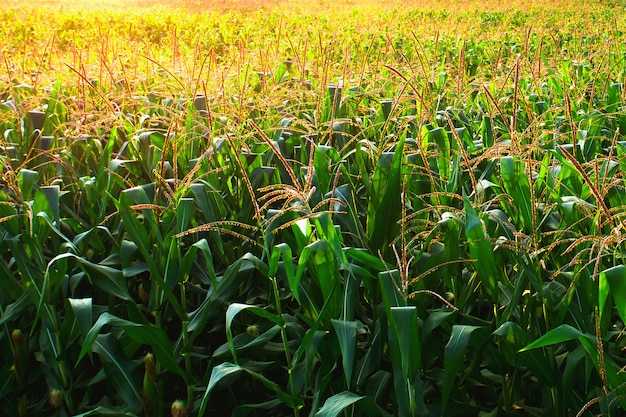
(360, 211)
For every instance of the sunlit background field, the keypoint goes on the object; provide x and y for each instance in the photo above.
(322, 208)
(205, 5)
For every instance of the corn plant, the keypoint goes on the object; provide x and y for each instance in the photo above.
(280, 213)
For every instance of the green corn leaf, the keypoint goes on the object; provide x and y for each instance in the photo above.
(346, 333)
(486, 131)
(613, 281)
(26, 180)
(122, 411)
(614, 375)
(139, 236)
(247, 409)
(82, 308)
(237, 308)
(246, 341)
(324, 268)
(385, 205)
(481, 251)
(366, 259)
(370, 362)
(391, 289)
(516, 184)
(135, 230)
(322, 159)
(575, 370)
(327, 231)
(225, 372)
(283, 250)
(108, 279)
(202, 247)
(172, 266)
(404, 327)
(52, 194)
(311, 337)
(378, 384)
(347, 214)
(119, 370)
(218, 373)
(333, 406)
(439, 137)
(405, 351)
(303, 260)
(216, 297)
(184, 213)
(302, 231)
(453, 358)
(561, 334)
(15, 310)
(514, 338)
(55, 228)
(142, 333)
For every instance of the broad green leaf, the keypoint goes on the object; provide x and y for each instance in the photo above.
(218, 373)
(574, 371)
(561, 334)
(323, 266)
(322, 159)
(516, 184)
(237, 308)
(52, 194)
(171, 274)
(327, 231)
(217, 296)
(613, 281)
(15, 310)
(385, 204)
(378, 384)
(439, 137)
(247, 409)
(109, 280)
(246, 341)
(370, 362)
(201, 246)
(391, 289)
(515, 338)
(404, 327)
(334, 405)
(367, 259)
(481, 251)
(405, 352)
(139, 236)
(283, 250)
(184, 212)
(142, 333)
(119, 370)
(311, 337)
(614, 374)
(108, 411)
(26, 180)
(453, 357)
(226, 370)
(54, 227)
(346, 333)
(83, 312)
